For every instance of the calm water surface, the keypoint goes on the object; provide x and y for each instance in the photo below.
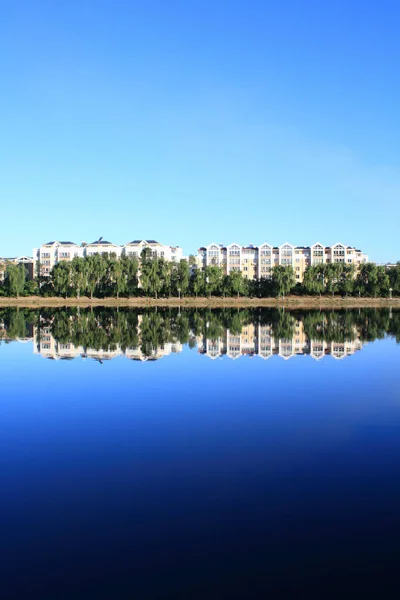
(201, 454)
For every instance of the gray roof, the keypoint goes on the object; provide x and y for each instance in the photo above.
(148, 241)
(101, 243)
(55, 242)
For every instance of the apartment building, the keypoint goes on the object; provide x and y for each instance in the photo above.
(256, 262)
(27, 261)
(169, 253)
(50, 254)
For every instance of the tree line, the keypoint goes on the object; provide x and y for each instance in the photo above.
(103, 275)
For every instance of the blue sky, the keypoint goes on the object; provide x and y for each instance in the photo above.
(197, 121)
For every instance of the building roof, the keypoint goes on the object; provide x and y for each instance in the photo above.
(101, 243)
(57, 242)
(147, 242)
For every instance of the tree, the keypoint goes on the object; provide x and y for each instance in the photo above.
(236, 284)
(346, 282)
(192, 261)
(314, 279)
(372, 280)
(15, 278)
(283, 280)
(152, 274)
(333, 273)
(213, 279)
(183, 277)
(116, 277)
(383, 282)
(61, 278)
(130, 268)
(79, 272)
(198, 282)
(96, 270)
(394, 278)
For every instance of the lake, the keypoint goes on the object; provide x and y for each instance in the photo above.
(199, 453)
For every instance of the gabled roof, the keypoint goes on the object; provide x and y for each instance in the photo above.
(58, 242)
(101, 243)
(143, 241)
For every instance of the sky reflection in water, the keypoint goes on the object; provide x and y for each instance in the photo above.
(185, 477)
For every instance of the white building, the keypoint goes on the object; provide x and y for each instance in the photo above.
(169, 253)
(50, 254)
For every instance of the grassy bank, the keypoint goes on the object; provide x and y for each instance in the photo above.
(213, 302)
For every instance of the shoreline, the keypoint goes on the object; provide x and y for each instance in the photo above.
(213, 302)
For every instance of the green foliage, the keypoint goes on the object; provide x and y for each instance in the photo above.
(105, 275)
(235, 284)
(314, 279)
(198, 283)
(372, 280)
(394, 279)
(283, 280)
(213, 280)
(15, 278)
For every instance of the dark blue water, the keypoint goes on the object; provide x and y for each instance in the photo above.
(192, 477)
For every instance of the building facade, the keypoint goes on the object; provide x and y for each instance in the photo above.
(27, 261)
(50, 254)
(257, 262)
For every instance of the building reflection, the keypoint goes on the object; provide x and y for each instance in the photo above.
(259, 340)
(47, 346)
(148, 335)
(252, 340)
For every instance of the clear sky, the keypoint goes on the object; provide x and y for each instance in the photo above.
(192, 121)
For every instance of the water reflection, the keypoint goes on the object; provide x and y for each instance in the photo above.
(148, 335)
